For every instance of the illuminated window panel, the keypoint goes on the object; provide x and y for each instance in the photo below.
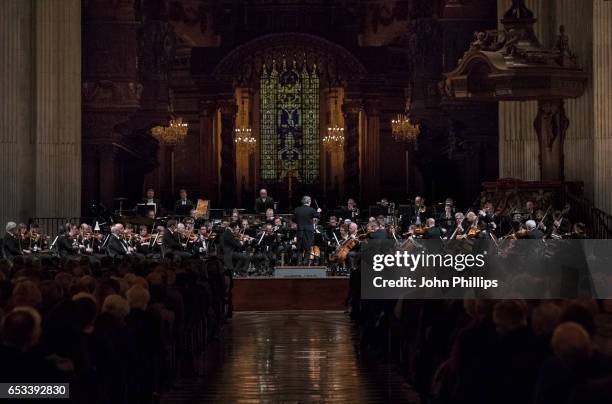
(289, 123)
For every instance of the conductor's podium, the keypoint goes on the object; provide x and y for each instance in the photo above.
(291, 288)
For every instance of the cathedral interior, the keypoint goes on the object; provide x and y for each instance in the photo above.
(414, 111)
(94, 77)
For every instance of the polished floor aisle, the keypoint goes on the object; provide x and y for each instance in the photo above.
(289, 357)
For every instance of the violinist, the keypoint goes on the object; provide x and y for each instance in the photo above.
(431, 230)
(488, 215)
(117, 246)
(66, 242)
(267, 244)
(23, 235)
(38, 242)
(172, 239)
(377, 232)
(579, 231)
(156, 243)
(560, 225)
(231, 247)
(533, 232)
(472, 229)
(143, 240)
(86, 240)
(517, 221)
(11, 241)
(544, 221)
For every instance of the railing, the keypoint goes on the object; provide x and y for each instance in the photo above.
(598, 222)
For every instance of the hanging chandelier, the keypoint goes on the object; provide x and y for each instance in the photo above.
(403, 130)
(172, 134)
(334, 140)
(243, 137)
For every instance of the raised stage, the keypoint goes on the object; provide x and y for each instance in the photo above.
(291, 288)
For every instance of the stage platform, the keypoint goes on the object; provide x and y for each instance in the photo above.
(300, 292)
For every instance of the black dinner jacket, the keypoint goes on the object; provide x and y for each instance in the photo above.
(11, 246)
(116, 247)
(303, 216)
(181, 209)
(64, 246)
(261, 206)
(171, 241)
(228, 242)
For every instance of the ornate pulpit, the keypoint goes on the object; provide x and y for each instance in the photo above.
(512, 65)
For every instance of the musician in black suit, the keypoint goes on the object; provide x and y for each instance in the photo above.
(431, 230)
(303, 217)
(447, 218)
(11, 242)
(150, 199)
(231, 248)
(533, 233)
(171, 240)
(376, 232)
(183, 206)
(264, 202)
(116, 246)
(65, 242)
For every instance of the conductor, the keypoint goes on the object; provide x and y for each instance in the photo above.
(303, 216)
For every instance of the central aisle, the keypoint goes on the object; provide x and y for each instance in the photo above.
(289, 357)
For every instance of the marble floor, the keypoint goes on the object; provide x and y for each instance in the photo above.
(290, 357)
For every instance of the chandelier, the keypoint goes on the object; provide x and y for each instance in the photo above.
(243, 137)
(334, 140)
(403, 130)
(172, 134)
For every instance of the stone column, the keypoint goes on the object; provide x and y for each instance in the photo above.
(351, 109)
(370, 178)
(208, 178)
(228, 110)
(17, 136)
(58, 108)
(602, 71)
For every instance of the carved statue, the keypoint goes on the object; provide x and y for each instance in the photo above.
(551, 125)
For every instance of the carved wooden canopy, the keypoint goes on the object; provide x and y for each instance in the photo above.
(335, 64)
(513, 65)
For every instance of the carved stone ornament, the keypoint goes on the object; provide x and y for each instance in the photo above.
(511, 64)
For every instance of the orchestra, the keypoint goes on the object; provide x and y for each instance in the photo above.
(254, 243)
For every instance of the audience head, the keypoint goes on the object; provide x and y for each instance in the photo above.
(87, 310)
(116, 306)
(138, 297)
(571, 344)
(509, 315)
(580, 314)
(544, 319)
(21, 328)
(26, 293)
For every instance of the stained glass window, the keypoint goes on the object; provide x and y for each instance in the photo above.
(289, 123)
